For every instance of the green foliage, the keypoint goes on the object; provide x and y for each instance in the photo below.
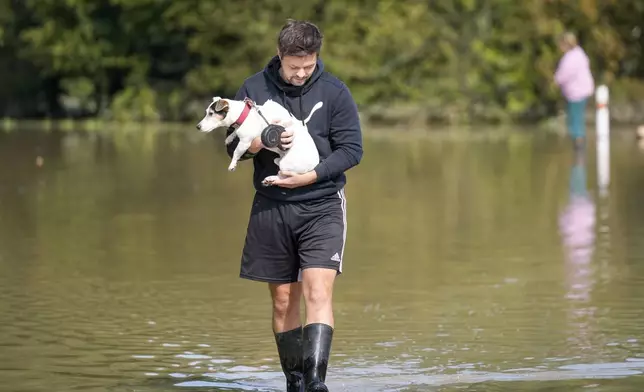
(455, 60)
(136, 104)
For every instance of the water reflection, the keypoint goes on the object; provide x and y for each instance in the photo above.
(577, 228)
(118, 258)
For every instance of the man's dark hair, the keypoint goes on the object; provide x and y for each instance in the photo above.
(299, 38)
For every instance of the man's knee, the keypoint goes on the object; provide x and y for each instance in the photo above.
(318, 286)
(286, 299)
(282, 306)
(317, 297)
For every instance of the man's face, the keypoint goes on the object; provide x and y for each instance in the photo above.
(296, 70)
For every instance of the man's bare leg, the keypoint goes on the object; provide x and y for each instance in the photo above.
(317, 287)
(287, 328)
(286, 306)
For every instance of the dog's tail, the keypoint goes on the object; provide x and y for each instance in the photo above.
(316, 107)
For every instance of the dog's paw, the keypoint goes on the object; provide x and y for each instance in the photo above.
(229, 139)
(268, 181)
(232, 168)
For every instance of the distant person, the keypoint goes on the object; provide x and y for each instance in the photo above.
(574, 77)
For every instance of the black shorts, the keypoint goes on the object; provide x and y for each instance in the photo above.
(284, 238)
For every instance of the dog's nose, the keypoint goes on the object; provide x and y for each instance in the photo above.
(199, 127)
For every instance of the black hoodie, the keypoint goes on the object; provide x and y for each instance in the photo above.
(335, 129)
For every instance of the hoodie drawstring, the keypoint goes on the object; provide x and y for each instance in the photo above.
(301, 110)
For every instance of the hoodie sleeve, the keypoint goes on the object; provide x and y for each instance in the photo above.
(565, 69)
(346, 138)
(241, 94)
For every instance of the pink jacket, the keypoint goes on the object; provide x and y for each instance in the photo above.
(573, 75)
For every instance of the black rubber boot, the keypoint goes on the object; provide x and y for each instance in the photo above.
(289, 348)
(317, 348)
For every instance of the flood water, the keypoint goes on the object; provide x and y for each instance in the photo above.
(476, 266)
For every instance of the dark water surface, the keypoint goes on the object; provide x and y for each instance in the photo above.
(476, 266)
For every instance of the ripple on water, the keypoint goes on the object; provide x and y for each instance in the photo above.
(390, 377)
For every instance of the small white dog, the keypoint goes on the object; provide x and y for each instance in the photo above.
(249, 120)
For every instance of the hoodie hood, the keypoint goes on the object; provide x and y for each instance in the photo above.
(272, 72)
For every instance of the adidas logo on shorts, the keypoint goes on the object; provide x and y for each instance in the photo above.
(336, 257)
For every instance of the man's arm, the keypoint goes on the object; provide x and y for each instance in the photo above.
(346, 138)
(565, 69)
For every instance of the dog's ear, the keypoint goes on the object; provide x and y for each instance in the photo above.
(221, 106)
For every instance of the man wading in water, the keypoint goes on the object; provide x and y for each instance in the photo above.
(297, 228)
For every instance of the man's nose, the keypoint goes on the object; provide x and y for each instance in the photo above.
(301, 74)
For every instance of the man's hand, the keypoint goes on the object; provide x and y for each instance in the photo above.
(293, 180)
(286, 138)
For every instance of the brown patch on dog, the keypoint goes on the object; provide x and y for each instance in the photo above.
(221, 106)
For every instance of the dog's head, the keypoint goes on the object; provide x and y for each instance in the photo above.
(220, 113)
